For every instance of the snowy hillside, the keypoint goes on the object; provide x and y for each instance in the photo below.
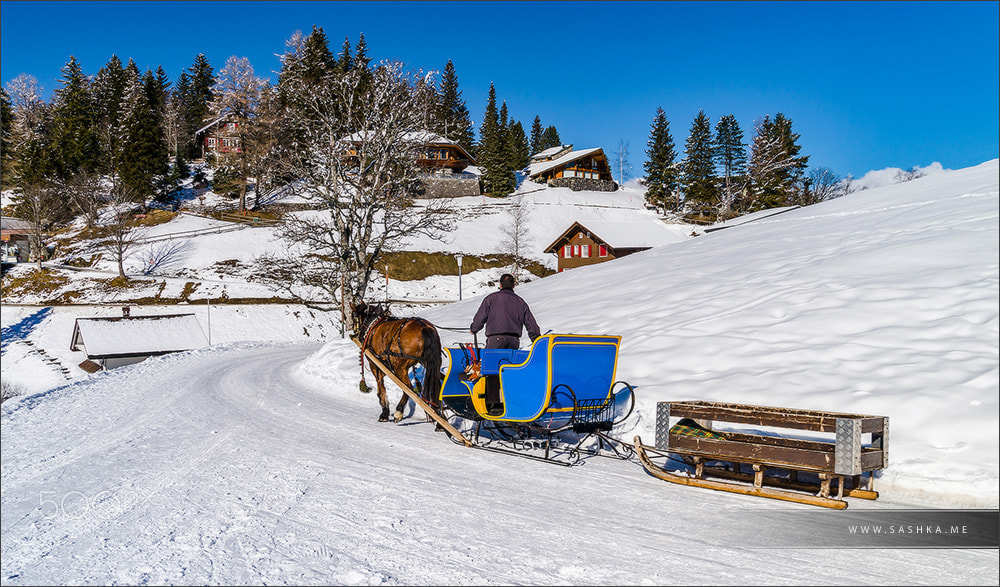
(258, 461)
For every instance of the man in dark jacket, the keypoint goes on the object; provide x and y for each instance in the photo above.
(504, 313)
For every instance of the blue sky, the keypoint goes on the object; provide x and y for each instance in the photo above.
(867, 85)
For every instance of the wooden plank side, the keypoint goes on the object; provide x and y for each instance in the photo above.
(768, 492)
(815, 420)
(405, 386)
(745, 452)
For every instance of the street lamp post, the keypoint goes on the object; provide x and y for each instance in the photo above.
(458, 257)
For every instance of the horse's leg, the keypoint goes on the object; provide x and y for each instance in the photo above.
(382, 400)
(401, 372)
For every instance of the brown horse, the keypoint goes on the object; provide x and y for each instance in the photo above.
(399, 343)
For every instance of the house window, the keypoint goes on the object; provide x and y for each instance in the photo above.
(211, 142)
(603, 251)
(569, 173)
(585, 251)
(567, 251)
(576, 250)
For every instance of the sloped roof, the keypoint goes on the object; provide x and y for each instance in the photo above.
(417, 137)
(538, 168)
(138, 335)
(15, 225)
(551, 151)
(217, 120)
(619, 235)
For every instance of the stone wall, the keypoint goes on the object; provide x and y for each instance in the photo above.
(580, 184)
(446, 187)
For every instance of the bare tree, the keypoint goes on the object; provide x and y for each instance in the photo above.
(124, 233)
(516, 239)
(37, 203)
(621, 162)
(822, 184)
(356, 160)
(237, 92)
(84, 189)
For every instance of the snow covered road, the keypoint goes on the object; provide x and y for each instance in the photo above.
(235, 465)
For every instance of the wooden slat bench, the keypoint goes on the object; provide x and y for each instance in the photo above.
(842, 457)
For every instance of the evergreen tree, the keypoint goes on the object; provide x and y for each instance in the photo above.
(730, 157)
(518, 151)
(660, 167)
(6, 142)
(536, 135)
(698, 177)
(776, 168)
(453, 118)
(109, 96)
(497, 178)
(144, 151)
(195, 111)
(31, 133)
(74, 140)
(345, 63)
(550, 138)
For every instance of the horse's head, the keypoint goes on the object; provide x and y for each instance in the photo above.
(362, 315)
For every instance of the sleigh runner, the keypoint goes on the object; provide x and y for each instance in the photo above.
(806, 470)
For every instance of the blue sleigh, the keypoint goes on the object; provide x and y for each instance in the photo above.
(563, 382)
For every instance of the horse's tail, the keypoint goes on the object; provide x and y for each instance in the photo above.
(431, 360)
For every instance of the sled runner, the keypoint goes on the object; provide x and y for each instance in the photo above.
(563, 383)
(807, 468)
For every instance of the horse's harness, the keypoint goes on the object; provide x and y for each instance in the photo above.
(397, 335)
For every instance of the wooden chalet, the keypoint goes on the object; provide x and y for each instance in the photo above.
(118, 341)
(219, 136)
(14, 240)
(581, 245)
(442, 161)
(586, 169)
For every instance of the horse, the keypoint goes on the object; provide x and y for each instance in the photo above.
(399, 343)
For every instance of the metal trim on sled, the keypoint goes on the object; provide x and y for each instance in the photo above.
(563, 386)
(844, 461)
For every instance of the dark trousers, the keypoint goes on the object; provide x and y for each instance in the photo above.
(498, 341)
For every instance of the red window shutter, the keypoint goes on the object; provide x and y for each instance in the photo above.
(604, 250)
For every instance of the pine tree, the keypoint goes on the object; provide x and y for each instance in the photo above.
(730, 157)
(518, 153)
(345, 63)
(31, 133)
(196, 104)
(698, 177)
(497, 178)
(74, 140)
(660, 167)
(6, 142)
(776, 168)
(550, 138)
(453, 118)
(109, 96)
(536, 135)
(144, 150)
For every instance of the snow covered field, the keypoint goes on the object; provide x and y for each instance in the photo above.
(258, 461)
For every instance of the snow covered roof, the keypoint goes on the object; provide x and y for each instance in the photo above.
(550, 152)
(417, 137)
(536, 169)
(137, 335)
(219, 119)
(620, 235)
(14, 225)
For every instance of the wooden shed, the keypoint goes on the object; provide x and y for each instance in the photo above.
(118, 341)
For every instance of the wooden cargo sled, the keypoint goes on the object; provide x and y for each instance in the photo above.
(844, 450)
